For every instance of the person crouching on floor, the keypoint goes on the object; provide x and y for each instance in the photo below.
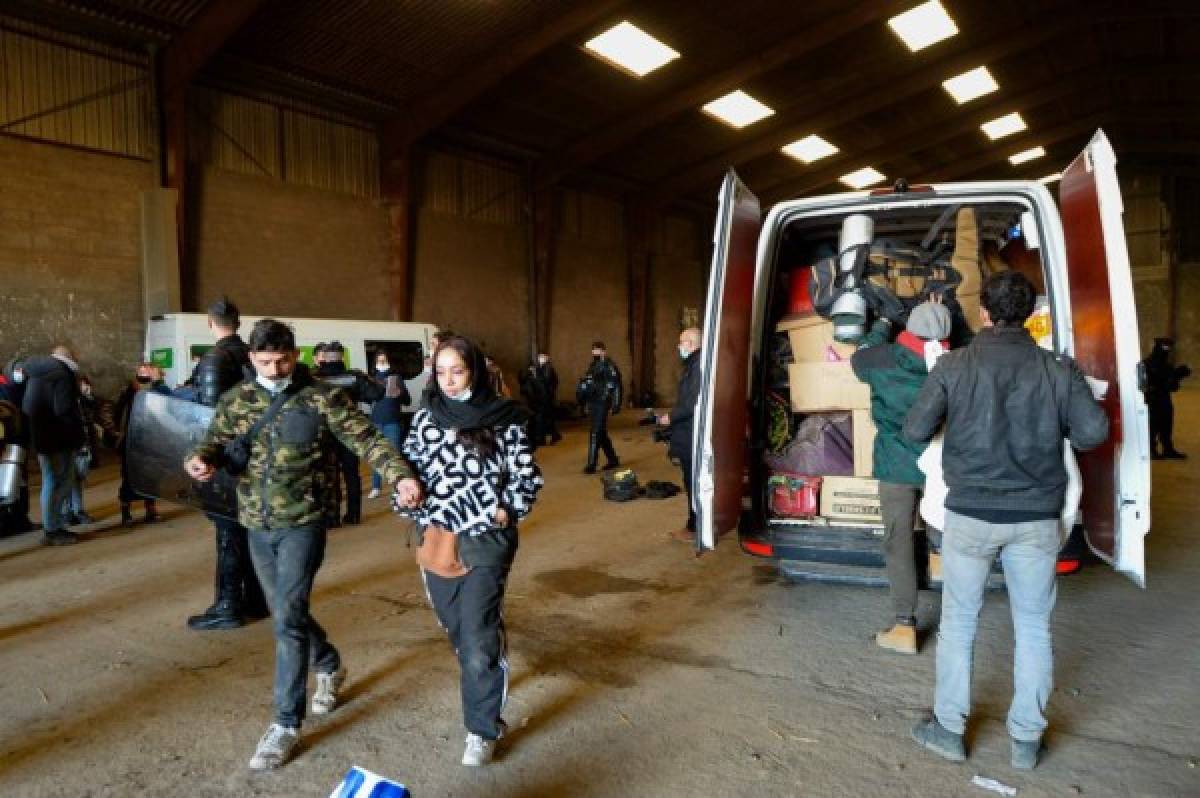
(470, 449)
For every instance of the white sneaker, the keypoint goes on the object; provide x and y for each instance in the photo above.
(374, 494)
(480, 751)
(325, 698)
(274, 748)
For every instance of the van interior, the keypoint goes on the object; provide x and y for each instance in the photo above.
(811, 417)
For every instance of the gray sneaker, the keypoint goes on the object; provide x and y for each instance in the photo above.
(480, 751)
(937, 738)
(325, 697)
(274, 748)
(1025, 754)
(60, 537)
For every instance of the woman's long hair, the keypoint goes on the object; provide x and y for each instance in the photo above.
(481, 439)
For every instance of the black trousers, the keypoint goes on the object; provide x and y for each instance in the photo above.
(471, 610)
(1162, 422)
(348, 462)
(600, 440)
(685, 467)
(236, 581)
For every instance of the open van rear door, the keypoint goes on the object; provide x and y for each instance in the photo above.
(719, 440)
(1116, 475)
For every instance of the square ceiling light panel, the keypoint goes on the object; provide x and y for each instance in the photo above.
(1003, 126)
(1048, 179)
(970, 84)
(861, 178)
(1027, 155)
(738, 109)
(628, 47)
(924, 25)
(809, 149)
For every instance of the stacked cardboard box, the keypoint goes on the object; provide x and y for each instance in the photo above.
(822, 381)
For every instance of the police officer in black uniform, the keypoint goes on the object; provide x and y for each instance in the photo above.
(599, 390)
(238, 593)
(331, 367)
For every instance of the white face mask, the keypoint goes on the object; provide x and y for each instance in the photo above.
(274, 386)
(18, 376)
(381, 368)
(543, 361)
(462, 397)
(683, 352)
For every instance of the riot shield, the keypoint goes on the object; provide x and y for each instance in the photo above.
(162, 430)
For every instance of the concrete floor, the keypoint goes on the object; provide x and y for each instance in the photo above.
(638, 669)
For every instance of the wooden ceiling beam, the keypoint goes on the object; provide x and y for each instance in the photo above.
(429, 112)
(599, 143)
(929, 135)
(785, 127)
(201, 39)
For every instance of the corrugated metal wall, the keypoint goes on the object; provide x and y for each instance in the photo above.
(473, 189)
(70, 94)
(262, 137)
(592, 218)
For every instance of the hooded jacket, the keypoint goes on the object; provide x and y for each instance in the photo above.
(51, 403)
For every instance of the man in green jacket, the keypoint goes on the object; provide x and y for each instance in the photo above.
(282, 501)
(896, 371)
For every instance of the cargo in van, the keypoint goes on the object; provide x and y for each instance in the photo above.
(771, 360)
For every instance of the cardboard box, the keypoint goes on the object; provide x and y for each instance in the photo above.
(864, 442)
(823, 387)
(850, 498)
(812, 340)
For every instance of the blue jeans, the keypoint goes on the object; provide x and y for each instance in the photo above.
(1028, 553)
(58, 478)
(394, 432)
(286, 561)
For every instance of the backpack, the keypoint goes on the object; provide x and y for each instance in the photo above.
(620, 486)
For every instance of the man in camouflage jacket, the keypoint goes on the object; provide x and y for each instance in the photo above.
(282, 501)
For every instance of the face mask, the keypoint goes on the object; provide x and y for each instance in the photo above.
(597, 358)
(683, 353)
(144, 380)
(274, 386)
(543, 361)
(18, 377)
(462, 397)
(382, 369)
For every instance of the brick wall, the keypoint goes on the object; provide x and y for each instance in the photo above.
(69, 258)
(288, 250)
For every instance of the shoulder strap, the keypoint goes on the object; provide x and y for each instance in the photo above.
(272, 410)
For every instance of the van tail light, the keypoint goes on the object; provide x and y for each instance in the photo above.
(758, 548)
(1068, 566)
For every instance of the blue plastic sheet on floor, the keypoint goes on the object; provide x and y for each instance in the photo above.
(362, 783)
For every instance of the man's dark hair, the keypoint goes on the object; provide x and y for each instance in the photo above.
(319, 348)
(1008, 297)
(224, 313)
(335, 346)
(599, 345)
(270, 335)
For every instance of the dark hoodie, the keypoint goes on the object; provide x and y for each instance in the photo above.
(51, 403)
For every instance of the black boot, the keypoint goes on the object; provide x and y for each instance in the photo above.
(126, 514)
(353, 514)
(593, 447)
(151, 512)
(225, 612)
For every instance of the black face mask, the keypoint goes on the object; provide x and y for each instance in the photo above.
(144, 380)
(597, 358)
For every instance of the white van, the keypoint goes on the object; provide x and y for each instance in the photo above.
(1085, 275)
(175, 342)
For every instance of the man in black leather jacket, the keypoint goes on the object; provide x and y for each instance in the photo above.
(1007, 405)
(238, 593)
(680, 419)
(331, 368)
(599, 390)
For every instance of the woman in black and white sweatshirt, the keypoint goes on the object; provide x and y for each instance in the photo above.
(471, 452)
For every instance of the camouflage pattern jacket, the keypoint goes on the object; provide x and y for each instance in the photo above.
(286, 483)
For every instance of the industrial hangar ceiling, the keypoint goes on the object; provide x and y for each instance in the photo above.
(517, 78)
